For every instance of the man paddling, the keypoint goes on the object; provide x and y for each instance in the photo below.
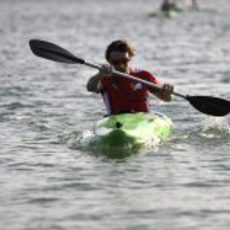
(122, 95)
(206, 104)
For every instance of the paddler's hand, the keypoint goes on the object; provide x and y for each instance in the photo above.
(167, 89)
(166, 92)
(106, 70)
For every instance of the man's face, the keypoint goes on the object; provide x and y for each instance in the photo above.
(120, 61)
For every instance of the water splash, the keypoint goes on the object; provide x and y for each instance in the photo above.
(86, 141)
(77, 139)
(216, 127)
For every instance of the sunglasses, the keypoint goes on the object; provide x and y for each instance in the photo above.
(119, 62)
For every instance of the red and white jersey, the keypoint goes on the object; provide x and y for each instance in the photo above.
(120, 94)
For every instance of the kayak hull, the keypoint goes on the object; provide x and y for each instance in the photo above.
(132, 130)
(170, 13)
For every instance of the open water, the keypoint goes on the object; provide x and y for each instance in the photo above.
(50, 178)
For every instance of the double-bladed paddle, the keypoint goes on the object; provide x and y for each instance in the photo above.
(206, 104)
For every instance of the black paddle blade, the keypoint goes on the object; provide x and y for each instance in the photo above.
(210, 105)
(53, 52)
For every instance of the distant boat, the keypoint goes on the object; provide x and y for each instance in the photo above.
(171, 13)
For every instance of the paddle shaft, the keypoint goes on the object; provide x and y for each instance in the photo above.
(127, 76)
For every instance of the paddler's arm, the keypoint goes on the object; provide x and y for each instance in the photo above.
(94, 83)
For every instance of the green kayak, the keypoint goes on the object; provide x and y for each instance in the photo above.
(170, 13)
(130, 130)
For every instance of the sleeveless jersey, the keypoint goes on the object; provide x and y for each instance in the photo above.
(124, 95)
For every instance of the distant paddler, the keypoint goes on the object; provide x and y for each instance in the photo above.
(168, 5)
(169, 8)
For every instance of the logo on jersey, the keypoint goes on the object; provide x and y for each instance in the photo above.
(137, 86)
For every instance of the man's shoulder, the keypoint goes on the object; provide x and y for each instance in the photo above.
(142, 73)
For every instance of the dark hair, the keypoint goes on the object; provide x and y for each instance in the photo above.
(120, 46)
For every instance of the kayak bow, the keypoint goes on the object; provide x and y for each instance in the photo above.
(131, 130)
